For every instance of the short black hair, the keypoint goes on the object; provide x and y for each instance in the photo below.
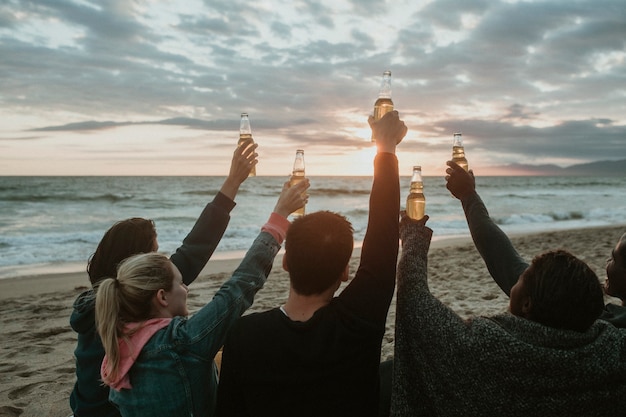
(318, 247)
(564, 291)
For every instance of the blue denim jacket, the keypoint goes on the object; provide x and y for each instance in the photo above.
(175, 374)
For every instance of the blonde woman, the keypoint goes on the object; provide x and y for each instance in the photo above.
(158, 362)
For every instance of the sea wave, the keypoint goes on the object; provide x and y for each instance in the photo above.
(331, 192)
(211, 192)
(525, 218)
(108, 197)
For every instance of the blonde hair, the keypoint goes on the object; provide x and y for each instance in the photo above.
(128, 299)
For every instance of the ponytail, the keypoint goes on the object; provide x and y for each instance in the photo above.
(108, 323)
(128, 299)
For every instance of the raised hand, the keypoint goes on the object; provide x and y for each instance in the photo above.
(244, 159)
(458, 181)
(292, 198)
(388, 131)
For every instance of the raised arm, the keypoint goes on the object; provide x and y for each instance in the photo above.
(502, 260)
(424, 327)
(370, 292)
(202, 240)
(244, 159)
(211, 323)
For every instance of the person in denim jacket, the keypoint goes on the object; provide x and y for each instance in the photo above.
(158, 362)
(89, 397)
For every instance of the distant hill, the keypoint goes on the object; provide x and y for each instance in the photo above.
(599, 168)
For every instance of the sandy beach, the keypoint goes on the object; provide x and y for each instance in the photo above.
(37, 343)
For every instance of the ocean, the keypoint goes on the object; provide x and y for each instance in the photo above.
(55, 223)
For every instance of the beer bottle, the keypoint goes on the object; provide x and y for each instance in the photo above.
(416, 202)
(297, 176)
(458, 152)
(384, 104)
(245, 132)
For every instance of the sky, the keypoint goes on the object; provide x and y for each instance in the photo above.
(151, 87)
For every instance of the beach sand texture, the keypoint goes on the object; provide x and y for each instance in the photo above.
(37, 343)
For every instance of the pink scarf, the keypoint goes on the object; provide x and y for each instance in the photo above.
(129, 350)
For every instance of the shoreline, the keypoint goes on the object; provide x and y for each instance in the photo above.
(37, 365)
(44, 278)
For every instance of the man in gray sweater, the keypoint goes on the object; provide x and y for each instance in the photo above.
(549, 357)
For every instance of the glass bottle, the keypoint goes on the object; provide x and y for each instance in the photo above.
(458, 152)
(297, 176)
(416, 202)
(245, 132)
(383, 104)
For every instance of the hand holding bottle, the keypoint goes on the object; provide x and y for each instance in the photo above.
(243, 162)
(461, 183)
(389, 131)
(292, 198)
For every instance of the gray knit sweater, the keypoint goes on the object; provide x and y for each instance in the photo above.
(495, 366)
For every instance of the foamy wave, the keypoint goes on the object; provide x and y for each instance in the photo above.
(525, 218)
(109, 197)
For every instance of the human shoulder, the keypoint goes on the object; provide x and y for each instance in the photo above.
(257, 324)
(82, 318)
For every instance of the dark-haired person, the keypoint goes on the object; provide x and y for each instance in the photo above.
(137, 235)
(318, 355)
(504, 262)
(549, 357)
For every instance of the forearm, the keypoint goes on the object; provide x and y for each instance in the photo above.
(202, 240)
(412, 295)
(371, 290)
(230, 187)
(502, 260)
(413, 264)
(235, 296)
(427, 333)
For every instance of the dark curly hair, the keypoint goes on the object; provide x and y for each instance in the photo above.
(564, 292)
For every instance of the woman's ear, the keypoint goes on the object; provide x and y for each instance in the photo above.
(161, 298)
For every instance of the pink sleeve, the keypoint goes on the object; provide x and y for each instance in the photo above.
(276, 226)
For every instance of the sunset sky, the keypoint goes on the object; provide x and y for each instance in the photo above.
(124, 87)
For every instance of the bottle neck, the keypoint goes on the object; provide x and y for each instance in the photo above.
(244, 126)
(298, 165)
(385, 86)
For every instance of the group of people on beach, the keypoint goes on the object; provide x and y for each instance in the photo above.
(560, 351)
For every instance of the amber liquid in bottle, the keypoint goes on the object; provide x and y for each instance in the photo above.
(458, 151)
(296, 177)
(416, 202)
(382, 107)
(383, 104)
(458, 156)
(245, 132)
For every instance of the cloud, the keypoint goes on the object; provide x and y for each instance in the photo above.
(522, 78)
